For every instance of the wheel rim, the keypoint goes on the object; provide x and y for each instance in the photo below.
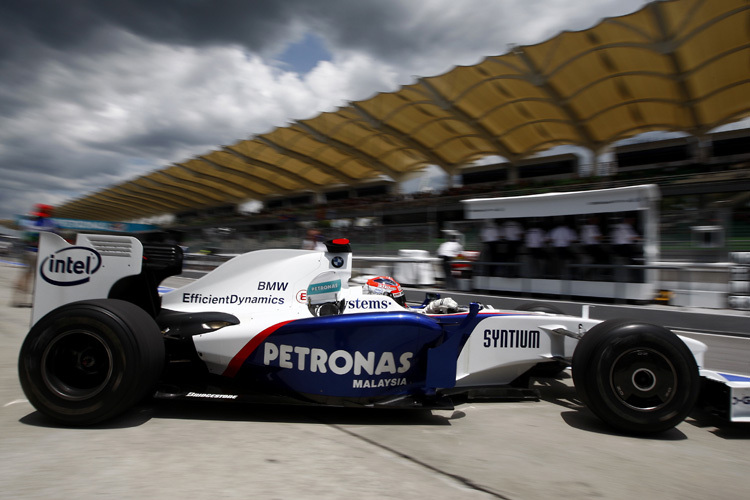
(643, 379)
(77, 365)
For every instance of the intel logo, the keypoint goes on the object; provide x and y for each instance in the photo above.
(70, 266)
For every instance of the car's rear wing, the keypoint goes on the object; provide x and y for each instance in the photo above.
(100, 266)
(87, 270)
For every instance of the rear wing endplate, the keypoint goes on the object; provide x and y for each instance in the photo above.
(87, 270)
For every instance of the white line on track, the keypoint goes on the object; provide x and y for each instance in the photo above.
(708, 334)
(15, 402)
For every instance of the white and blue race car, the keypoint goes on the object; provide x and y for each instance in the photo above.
(287, 326)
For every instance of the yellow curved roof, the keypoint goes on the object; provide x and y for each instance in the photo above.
(680, 65)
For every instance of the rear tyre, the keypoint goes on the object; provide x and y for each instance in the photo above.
(89, 361)
(637, 377)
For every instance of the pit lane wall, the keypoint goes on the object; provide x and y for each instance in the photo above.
(739, 284)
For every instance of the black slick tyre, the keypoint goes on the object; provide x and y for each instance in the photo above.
(89, 361)
(637, 377)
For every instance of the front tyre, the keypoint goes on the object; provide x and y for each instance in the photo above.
(637, 377)
(89, 361)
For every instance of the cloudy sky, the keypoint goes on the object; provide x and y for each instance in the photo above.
(96, 92)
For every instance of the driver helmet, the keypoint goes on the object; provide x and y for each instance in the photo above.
(385, 285)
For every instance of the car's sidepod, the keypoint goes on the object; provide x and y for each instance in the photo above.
(359, 356)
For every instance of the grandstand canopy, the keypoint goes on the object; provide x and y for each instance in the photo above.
(680, 65)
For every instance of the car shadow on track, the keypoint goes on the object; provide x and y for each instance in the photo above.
(717, 426)
(210, 410)
(560, 391)
(133, 418)
(233, 411)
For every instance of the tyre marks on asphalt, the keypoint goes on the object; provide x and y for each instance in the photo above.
(461, 481)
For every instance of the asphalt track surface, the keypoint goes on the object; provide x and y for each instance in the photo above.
(552, 448)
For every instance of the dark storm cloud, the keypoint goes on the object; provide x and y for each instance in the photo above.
(17, 162)
(158, 143)
(94, 92)
(65, 25)
(256, 25)
(59, 68)
(390, 29)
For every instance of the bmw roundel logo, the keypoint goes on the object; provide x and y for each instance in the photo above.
(337, 261)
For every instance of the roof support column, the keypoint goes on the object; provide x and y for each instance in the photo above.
(512, 173)
(602, 169)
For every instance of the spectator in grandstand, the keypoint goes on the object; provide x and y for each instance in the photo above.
(513, 233)
(536, 246)
(448, 251)
(562, 237)
(39, 220)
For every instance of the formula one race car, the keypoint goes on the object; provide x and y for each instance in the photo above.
(287, 326)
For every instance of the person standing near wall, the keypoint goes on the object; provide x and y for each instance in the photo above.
(625, 241)
(562, 237)
(490, 237)
(39, 220)
(448, 251)
(626, 244)
(313, 241)
(513, 237)
(591, 239)
(536, 243)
